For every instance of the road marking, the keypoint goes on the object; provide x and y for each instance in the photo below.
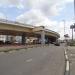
(67, 69)
(29, 60)
(67, 65)
(65, 52)
(66, 57)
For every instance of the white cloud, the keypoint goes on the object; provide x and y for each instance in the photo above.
(35, 17)
(48, 7)
(10, 3)
(2, 16)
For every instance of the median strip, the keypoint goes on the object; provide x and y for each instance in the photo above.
(67, 64)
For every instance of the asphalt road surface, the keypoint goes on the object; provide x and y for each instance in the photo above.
(33, 61)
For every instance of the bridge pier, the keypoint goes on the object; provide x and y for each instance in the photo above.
(23, 38)
(42, 37)
(7, 37)
(13, 39)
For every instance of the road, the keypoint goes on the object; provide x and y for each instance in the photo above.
(33, 61)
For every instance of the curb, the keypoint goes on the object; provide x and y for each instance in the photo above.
(16, 49)
(67, 64)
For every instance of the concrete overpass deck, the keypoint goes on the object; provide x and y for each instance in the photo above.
(15, 28)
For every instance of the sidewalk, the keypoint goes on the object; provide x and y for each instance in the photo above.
(71, 55)
(17, 47)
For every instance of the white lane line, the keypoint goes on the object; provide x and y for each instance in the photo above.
(66, 57)
(67, 66)
(65, 52)
(28, 60)
(67, 63)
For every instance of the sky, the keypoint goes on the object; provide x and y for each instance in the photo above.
(52, 14)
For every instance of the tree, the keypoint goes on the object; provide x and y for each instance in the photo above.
(72, 27)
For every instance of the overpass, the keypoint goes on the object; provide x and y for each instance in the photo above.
(25, 30)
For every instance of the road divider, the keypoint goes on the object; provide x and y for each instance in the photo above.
(67, 64)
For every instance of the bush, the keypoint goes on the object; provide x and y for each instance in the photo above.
(72, 43)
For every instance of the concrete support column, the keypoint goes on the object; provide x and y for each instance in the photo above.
(7, 37)
(47, 39)
(23, 39)
(43, 37)
(12, 39)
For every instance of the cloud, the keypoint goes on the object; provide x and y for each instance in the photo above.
(34, 17)
(10, 3)
(2, 16)
(48, 7)
(39, 11)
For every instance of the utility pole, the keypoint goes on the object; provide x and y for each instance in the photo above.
(71, 27)
(64, 28)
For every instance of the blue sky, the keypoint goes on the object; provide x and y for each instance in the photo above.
(49, 13)
(11, 13)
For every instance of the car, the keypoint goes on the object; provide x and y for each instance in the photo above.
(8, 42)
(57, 44)
(1, 42)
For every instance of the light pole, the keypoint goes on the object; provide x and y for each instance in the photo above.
(64, 29)
(71, 27)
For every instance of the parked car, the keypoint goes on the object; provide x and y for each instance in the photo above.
(1, 42)
(57, 44)
(8, 42)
